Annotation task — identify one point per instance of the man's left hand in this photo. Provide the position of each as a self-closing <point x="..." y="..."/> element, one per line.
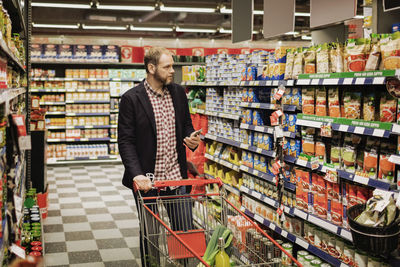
<point x="193" y="141"/>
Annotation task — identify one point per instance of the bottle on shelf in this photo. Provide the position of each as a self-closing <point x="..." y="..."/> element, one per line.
<point x="222" y="259"/>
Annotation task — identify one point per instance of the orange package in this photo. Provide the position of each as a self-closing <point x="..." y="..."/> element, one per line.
<point x="388" y="107"/>
<point x="333" y="102"/>
<point x="320" y="151"/>
<point x="308" y="146"/>
<point x="371" y="157"/>
<point x="308" y="101"/>
<point x="387" y="168"/>
<point x="320" y="109"/>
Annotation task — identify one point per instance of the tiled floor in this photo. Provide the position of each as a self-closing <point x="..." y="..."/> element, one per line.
<point x="92" y="219"/>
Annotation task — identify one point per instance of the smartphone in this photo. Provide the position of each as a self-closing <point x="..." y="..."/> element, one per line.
<point x="197" y="133"/>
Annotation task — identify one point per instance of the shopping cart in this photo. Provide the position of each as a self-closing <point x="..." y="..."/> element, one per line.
<point x="182" y="241"/>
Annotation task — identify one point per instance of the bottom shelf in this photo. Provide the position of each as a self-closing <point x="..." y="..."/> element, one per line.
<point x="99" y="159"/>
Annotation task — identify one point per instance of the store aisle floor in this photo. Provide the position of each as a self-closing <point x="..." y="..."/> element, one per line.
<point x="92" y="218"/>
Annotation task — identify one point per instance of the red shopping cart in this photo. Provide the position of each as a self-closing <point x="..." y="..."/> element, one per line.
<point x="182" y="241"/>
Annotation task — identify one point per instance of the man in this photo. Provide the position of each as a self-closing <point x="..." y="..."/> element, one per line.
<point x="153" y="126"/>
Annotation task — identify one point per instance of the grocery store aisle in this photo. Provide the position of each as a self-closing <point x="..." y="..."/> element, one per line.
<point x="92" y="218"/>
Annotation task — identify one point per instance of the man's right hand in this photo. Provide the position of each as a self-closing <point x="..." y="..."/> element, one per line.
<point x="142" y="183"/>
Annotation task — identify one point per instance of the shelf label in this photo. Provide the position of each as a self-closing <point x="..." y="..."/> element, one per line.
<point x="258" y="218"/>
<point x="256" y="194"/>
<point x="259" y="150"/>
<point x="331" y="81"/>
<point x="394" y="159"/>
<point x="301" y="162"/>
<point x="379" y="80"/>
<point x="259" y="128"/>
<point x="343" y="128"/>
<point x="348" y="81"/>
<point x="244" y="146"/>
<point x="244" y="189"/>
<point x="360" y="81"/>
<point x="275" y="83"/>
<point x="256" y="105"/>
<point x="244" y="126"/>
<point x="302" y="243"/>
<point x="323" y="224"/>
<point x="244" y="168"/>
<point x="268" y="83"/>
<point x="379" y="132"/>
<point x="303" y="82"/>
<point x="346" y="234"/>
<point x="300" y="213"/>
<point x="255" y="172"/>
<point x="359" y="130"/>
<point x="314" y="81"/>
<point x="272" y="226"/>
<point x="284" y="233"/>
<point x="360" y="179"/>
<point x="270" y="201"/>
<point x="290" y="83"/>
<point x="396" y="128"/>
<point x="17" y="250"/>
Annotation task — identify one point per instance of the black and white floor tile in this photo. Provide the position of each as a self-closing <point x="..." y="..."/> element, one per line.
<point x="92" y="218"/>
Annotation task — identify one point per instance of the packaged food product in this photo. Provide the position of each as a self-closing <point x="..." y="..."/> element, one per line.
<point x="374" y="55"/>
<point x="320" y="108"/>
<point x="292" y="118"/>
<point x="352" y="104"/>
<point x="369" y="106"/>
<point x="333" y="102"/>
<point x="287" y="96"/>
<point x="337" y="212"/>
<point x="336" y="151"/>
<point x="323" y="58"/>
<point x="390" y="49"/>
<point x="320" y="151"/>
<point x="308" y="100"/>
<point x="296" y="97"/>
<point x="371" y="157"/>
<point x="387" y="168"/>
<point x="357" y="51"/>
<point x="298" y="63"/>
<point x="308" y="146"/>
<point x="289" y="64"/>
<point x="349" y="154"/>
<point x="309" y="60"/>
<point x="388" y="107"/>
<point x="336" y="57"/>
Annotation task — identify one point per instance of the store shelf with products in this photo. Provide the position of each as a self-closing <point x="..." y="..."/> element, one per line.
<point x="226" y="186"/>
<point x="87" y="102"/>
<point x="268" y="83"/>
<point x="55" y="90"/>
<point x="68" y="140"/>
<point x="72" y="114"/>
<point x="78" y="160"/>
<point x="55" y="79"/>
<point x="261" y="129"/>
<point x="8" y="94"/>
<point x="263" y="175"/>
<point x="222" y="115"/>
<point x="222" y="162"/>
<point x="267" y="106"/>
<point x="52" y="103"/>
<point x="12" y="59"/>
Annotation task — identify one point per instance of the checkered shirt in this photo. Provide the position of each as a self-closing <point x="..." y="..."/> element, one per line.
<point x="167" y="165"/>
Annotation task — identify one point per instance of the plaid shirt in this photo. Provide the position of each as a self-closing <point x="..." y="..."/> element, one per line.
<point x="167" y="165"/>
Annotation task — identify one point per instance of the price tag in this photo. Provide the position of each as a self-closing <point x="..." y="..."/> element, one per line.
<point x="17" y="250"/>
<point x="314" y="163"/>
<point x="259" y="128"/>
<point x="379" y="80"/>
<point x="359" y="130"/>
<point x="348" y="81"/>
<point x="256" y="194"/>
<point x="268" y="83"/>
<point x="360" y="81"/>
<point x="256" y="105"/>
<point x="275" y="83"/>
<point x="272" y="226"/>
<point x="284" y="233"/>
<point x="301" y="162"/>
<point x="259" y="150"/>
<point x="278" y="132"/>
<point x="314" y="81"/>
<point x="255" y="172"/>
<point x="302" y="243"/>
<point x="244" y="168"/>
<point x="360" y="179"/>
<point x="379" y="132"/>
<point x="290" y="83"/>
<point x="244" y="126"/>
<point x="394" y="159"/>
<point x="251" y="82"/>
<point x="343" y="128"/>
<point x="258" y="218"/>
<point x="346" y="234"/>
<point x="396" y="128"/>
<point x="331" y="81"/>
<point x="300" y="213"/>
<point x="303" y="82"/>
<point x="244" y="146"/>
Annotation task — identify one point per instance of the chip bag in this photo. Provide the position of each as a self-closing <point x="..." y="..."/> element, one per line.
<point x="323" y="58"/>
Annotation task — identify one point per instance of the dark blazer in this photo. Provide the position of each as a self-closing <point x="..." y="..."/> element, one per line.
<point x="137" y="140"/>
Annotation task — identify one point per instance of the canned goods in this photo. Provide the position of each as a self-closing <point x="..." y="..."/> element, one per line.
<point x="316" y="263"/>
<point x="286" y="260"/>
<point x="308" y="259"/>
<point x="277" y="251"/>
<point x="37" y="248"/>
<point x="269" y="249"/>
<point x="301" y="256"/>
<point x="36" y="243"/>
<point x="35" y="254"/>
<point x="257" y="246"/>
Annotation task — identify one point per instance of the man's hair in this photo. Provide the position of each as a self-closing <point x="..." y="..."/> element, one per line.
<point x="153" y="55"/>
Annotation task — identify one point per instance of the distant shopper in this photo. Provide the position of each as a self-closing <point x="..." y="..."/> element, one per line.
<point x="153" y="126"/>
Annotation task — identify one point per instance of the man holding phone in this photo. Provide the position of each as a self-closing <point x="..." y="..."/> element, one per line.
<point x="153" y="126"/>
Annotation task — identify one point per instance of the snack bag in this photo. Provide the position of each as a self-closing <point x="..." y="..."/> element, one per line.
<point x="371" y="157"/>
<point x="298" y="63"/>
<point x="320" y="151"/>
<point x="289" y="64"/>
<point x="388" y="106"/>
<point x="308" y="146"/>
<point x="291" y="121"/>
<point x="308" y="98"/>
<point x="390" y="49"/>
<point x="356" y="54"/>
<point x="387" y="168"/>
<point x="336" y="57"/>
<point x="320" y="109"/>
<point x="323" y="58"/>
<point x="309" y="60"/>
<point x="352" y="104"/>
<point x="286" y="100"/>
<point x="349" y="154"/>
<point x="333" y="102"/>
<point x="369" y="106"/>
<point x="336" y="151"/>
<point x="374" y="55"/>
<point x="296" y="97"/>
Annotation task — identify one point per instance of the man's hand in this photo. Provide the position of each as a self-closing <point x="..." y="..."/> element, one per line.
<point x="193" y="141"/>
<point x="142" y="183"/>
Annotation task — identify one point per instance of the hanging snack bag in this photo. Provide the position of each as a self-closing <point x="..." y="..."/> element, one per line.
<point x="388" y="106"/>
<point x="371" y="157"/>
<point x="308" y="97"/>
<point x="356" y="54"/>
<point x="323" y="58"/>
<point x="336" y="57"/>
<point x="387" y="168"/>
<point x="369" y="106"/>
<point x="352" y="104"/>
<point x="390" y="49"/>
<point x="374" y="55"/>
<point x="309" y="60"/>
<point x="289" y="64"/>
<point x="320" y="109"/>
<point x="292" y="118"/>
<point x="320" y="151"/>
<point x="333" y="102"/>
<point x="298" y="63"/>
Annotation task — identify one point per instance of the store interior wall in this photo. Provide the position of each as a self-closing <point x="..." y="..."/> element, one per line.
<point x="382" y="21"/>
<point x="336" y="33"/>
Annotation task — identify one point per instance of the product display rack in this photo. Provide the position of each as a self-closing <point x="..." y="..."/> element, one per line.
<point x="377" y="129"/>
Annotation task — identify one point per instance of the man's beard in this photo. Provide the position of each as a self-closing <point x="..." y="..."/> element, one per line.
<point x="164" y="81"/>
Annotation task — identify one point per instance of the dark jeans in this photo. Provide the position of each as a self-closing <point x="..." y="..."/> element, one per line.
<point x="180" y="218"/>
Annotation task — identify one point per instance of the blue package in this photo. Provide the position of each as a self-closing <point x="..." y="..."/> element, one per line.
<point x="292" y="127"/>
<point x="258" y="118"/>
<point x="66" y="52"/>
<point x="395" y="27"/>
<point x="264" y="95"/>
<point x="110" y="53"/>
<point x="81" y="53"/>
<point x="285" y="122"/>
<point x="50" y="52"/>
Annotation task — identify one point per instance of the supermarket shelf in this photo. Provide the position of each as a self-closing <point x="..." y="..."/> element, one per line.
<point x="262" y="129"/>
<point x="89" y="127"/>
<point x="12" y="58"/>
<point x="268" y="83"/>
<point x="342" y="81"/>
<point x="87" y="114"/>
<point x="263" y="175"/>
<point x="87" y="90"/>
<point x="114" y="111"/>
<point x="222" y="83"/>
<point x="17" y="17"/>
<point x="303" y="163"/>
<point x="48" y="90"/>
<point x="222" y="140"/>
<point x="295" y="239"/>
<point x="52" y="103"/>
<point x="258" y="105"/>
<point x="11" y="93"/>
<point x="379" y="129"/>
<point x="114" y="140"/>
<point x="115" y="95"/>
<point x="289" y="134"/>
<point x="227" y="187"/>
<point x="67" y="140"/>
<point x="55" y="127"/>
<point x="54" y="79"/>
<point x="222" y="162"/>
<point x="269" y="153"/>
<point x="395" y="159"/>
<point x="290" y="186"/>
<point x="71" y="63"/>
<point x="259" y="196"/>
<point x="55" y="113"/>
<point x="87" y="102"/>
<point x="113" y="126"/>
<point x="222" y="115"/>
<point x="81" y="160"/>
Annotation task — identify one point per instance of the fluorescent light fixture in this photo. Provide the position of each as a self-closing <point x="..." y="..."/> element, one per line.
<point x="222" y="30"/>
<point x="61" y="5"/>
<point x="359" y="17"/>
<point x="258" y="12"/>
<point x="98" y="27"/>
<point x="302" y="14"/>
<point x="178" y="29"/>
<point x="59" y="26"/>
<point x="151" y="29"/>
<point x="131" y="8"/>
<point x="225" y="10"/>
<point x="256" y="32"/>
<point x="305" y="37"/>
<point x="291" y="33"/>
<point x="187" y="9"/>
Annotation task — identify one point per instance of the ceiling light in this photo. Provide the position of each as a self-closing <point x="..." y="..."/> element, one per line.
<point x="60" y="26"/>
<point x="131" y="8"/>
<point x="302" y="14"/>
<point x="291" y="33"/>
<point x="61" y="5"/>
<point x="103" y="27"/>
<point x="178" y="29"/>
<point x="225" y="10"/>
<point x="256" y="32"/>
<point x="151" y="29"/>
<point x="258" y="12"/>
<point x="305" y="37"/>
<point x="222" y="30"/>
<point x="187" y="9"/>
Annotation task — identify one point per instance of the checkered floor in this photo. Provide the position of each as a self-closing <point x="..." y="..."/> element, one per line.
<point x="92" y="219"/>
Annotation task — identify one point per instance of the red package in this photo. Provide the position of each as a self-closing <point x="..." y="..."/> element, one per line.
<point x="352" y="195"/>
<point x="321" y="205"/>
<point x="337" y="212"/>
<point x="362" y="195"/>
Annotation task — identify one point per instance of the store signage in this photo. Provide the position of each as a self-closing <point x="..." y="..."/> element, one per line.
<point x="360" y="74"/>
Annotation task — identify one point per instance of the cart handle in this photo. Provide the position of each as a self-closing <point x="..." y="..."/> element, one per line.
<point x="192" y="182"/>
